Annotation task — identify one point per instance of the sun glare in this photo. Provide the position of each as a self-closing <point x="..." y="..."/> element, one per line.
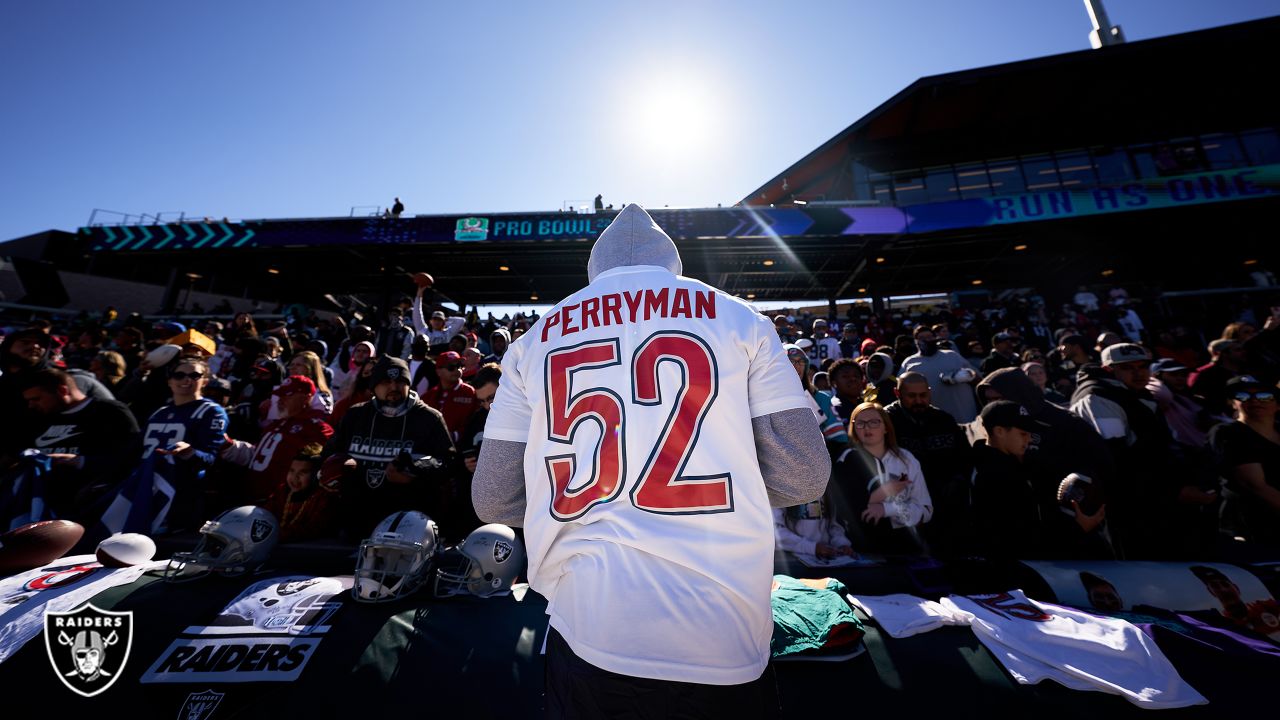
<point x="672" y="118"/>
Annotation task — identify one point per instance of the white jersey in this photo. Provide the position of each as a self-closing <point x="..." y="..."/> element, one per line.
<point x="1038" y="641"/>
<point x="902" y="615"/>
<point x="823" y="349"/>
<point x="647" y="522"/>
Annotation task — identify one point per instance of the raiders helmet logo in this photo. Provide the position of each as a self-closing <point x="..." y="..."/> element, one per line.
<point x="501" y="551"/>
<point x="260" y="530"/>
<point x="200" y="705"/>
<point x="88" y="648"/>
<point x="374" y="478"/>
<point x="393" y="373"/>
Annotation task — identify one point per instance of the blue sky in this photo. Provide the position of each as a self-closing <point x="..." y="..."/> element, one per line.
<point x="293" y="109"/>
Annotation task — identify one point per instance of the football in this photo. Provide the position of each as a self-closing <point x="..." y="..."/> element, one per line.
<point x="423" y="280"/>
<point x="36" y="544"/>
<point x="125" y="549"/>
<point x="1079" y="488"/>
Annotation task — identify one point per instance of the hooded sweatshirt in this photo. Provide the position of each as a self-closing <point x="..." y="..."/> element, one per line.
<point x="496" y="356"/>
<point x="374" y="435"/>
<point x="1149" y="478"/>
<point x="704" y="429"/>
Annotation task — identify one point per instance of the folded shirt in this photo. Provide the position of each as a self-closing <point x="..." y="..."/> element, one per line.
<point x="901" y="615"/>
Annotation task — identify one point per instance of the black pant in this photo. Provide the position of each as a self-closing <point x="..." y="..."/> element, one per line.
<point x="578" y="690"/>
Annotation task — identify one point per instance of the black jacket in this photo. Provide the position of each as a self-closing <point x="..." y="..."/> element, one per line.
<point x="374" y="439"/>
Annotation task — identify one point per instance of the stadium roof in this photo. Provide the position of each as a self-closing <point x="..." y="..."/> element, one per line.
<point x="1179" y="85"/>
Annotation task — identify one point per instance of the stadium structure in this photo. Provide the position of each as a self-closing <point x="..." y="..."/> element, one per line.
<point x="1155" y="164"/>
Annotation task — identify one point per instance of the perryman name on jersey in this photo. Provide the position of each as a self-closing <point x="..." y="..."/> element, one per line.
<point x="610" y="309"/>
<point x="380" y="450"/>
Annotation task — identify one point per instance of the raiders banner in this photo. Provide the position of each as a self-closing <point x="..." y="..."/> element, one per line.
<point x="268" y="633"/>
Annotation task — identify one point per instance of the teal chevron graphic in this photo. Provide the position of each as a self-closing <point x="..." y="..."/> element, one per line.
<point x="208" y="235"/>
<point x="178" y="236"/>
<point x="128" y="237"/>
<point x="146" y="237"/>
<point x="168" y="235"/>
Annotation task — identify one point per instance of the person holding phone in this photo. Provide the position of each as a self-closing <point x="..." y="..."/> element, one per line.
<point x="883" y="485"/>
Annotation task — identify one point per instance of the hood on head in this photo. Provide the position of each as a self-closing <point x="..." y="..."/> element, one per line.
<point x="887" y="372"/>
<point x="633" y="238"/>
<point x="503" y="332"/>
<point x="1013" y="384"/>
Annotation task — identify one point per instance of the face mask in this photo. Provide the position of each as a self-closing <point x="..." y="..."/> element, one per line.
<point x="927" y="347"/>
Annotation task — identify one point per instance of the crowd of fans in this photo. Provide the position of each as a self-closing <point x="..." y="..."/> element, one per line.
<point x="1018" y="432"/>
<point x="951" y="431"/>
<point x="330" y="423"/>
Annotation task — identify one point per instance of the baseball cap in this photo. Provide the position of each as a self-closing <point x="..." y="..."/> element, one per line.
<point x="1167" y="365"/>
<point x="1245" y="383"/>
<point x="295" y="385"/>
<point x="804" y="344"/>
<point x="1001" y="337"/>
<point x="390" y="368"/>
<point x="794" y="348"/>
<point x="1123" y="353"/>
<point x="446" y="358"/>
<point x="819" y="321"/>
<point x="38" y="334"/>
<point x="438" y="314"/>
<point x="1007" y="413"/>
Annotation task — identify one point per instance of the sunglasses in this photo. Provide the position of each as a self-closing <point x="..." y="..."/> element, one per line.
<point x="484" y="400"/>
<point x="797" y="356"/>
<point x="1260" y="396"/>
<point x="179" y="375"/>
<point x="453" y="366"/>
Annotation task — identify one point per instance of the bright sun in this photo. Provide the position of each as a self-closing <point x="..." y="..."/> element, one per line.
<point x="671" y="119"/>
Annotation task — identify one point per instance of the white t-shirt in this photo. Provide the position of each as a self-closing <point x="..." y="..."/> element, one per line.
<point x="901" y="615"/>
<point x="644" y="578"/>
<point x="1038" y="641"/>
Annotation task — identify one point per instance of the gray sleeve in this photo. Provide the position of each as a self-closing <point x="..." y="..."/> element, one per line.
<point x="793" y="456"/>
<point x="497" y="490"/>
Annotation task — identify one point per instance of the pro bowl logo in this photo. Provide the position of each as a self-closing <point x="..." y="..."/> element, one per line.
<point x="88" y="647"/>
<point x="471" y="228"/>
